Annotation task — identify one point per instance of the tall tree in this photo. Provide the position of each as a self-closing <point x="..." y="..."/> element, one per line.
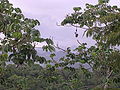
<point x="19" y="36"/>
<point x="102" y="23"/>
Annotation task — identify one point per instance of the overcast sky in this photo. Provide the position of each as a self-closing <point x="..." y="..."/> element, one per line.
<point x="50" y="12"/>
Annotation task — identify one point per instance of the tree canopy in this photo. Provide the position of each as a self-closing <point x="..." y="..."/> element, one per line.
<point x="20" y="36"/>
<point x="100" y="21"/>
<point x="17" y="46"/>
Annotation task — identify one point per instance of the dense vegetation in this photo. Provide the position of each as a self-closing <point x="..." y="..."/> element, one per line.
<point x="17" y="46"/>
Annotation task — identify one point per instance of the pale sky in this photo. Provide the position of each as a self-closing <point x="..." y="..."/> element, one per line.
<point x="50" y="12"/>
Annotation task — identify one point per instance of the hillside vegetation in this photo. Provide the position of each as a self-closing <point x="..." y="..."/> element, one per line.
<point x="17" y="45"/>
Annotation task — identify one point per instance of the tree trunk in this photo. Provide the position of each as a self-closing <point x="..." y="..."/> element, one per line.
<point x="109" y="73"/>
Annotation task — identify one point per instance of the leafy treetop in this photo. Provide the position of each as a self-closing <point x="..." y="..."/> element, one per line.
<point x="100" y="21"/>
<point x="19" y="36"/>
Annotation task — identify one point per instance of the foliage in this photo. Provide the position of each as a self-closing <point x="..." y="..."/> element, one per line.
<point x="20" y="36"/>
<point x="101" y="20"/>
<point x="38" y="78"/>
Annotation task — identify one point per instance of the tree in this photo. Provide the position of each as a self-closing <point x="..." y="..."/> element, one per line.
<point x="101" y="22"/>
<point x="20" y="36"/>
<point x="17" y="45"/>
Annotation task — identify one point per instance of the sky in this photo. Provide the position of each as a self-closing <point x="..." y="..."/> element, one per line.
<point x="52" y="12"/>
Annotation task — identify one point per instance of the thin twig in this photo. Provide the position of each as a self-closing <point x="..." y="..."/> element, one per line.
<point x="78" y="26"/>
<point x="59" y="48"/>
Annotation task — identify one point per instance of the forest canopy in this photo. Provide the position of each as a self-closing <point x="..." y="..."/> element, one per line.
<point x="25" y="72"/>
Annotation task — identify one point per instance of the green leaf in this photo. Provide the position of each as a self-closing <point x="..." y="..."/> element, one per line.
<point x="82" y="61"/>
<point x="41" y="60"/>
<point x="49" y="41"/>
<point x="52" y="55"/>
<point x="18" y="10"/>
<point x="103" y="1"/>
<point x="77" y="9"/>
<point x="17" y="35"/>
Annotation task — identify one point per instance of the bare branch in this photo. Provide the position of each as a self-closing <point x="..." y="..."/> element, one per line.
<point x="78" y="26"/>
<point x="56" y="46"/>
